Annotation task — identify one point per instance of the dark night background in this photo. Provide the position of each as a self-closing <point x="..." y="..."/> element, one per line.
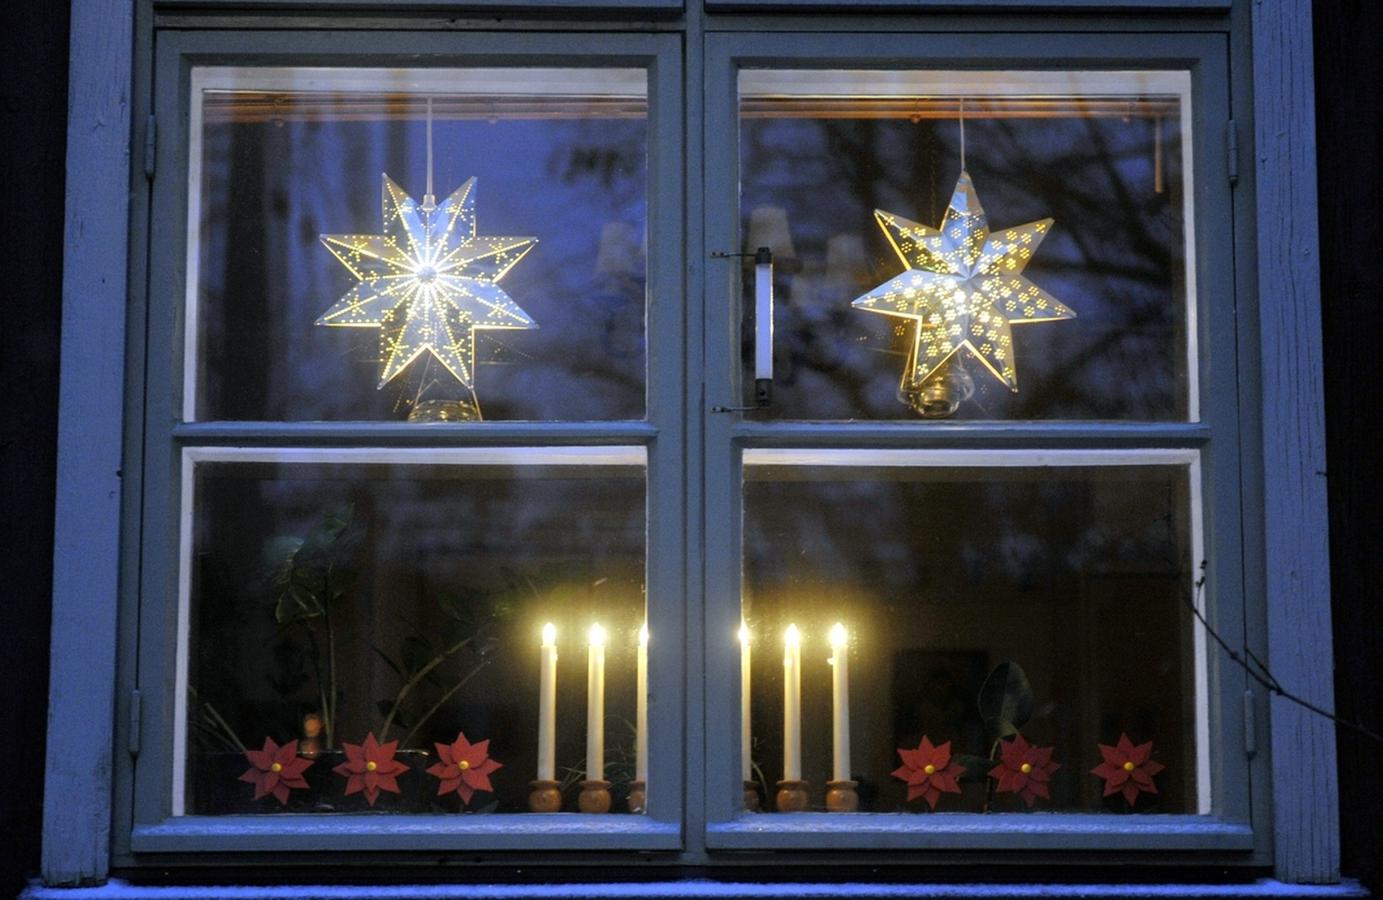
<point x="1349" y="90"/>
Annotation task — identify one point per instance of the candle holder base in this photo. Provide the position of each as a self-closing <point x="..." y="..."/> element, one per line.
<point x="638" y="796"/>
<point x="792" y="796"/>
<point x="841" y="796"/>
<point x="751" y="796"/>
<point x="544" y="796"/>
<point x="595" y="797"/>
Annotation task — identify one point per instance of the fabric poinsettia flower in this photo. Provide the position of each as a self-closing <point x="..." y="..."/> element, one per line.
<point x="464" y="767"/>
<point x="276" y="770"/>
<point x="371" y="767"/>
<point x="929" y="771"/>
<point x="1128" y="769"/>
<point x="1024" y="769"/>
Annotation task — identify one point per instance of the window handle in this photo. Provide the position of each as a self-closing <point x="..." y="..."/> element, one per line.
<point x="763" y="327"/>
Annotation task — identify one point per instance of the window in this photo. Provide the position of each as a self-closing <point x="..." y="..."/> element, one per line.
<point x="453" y="336"/>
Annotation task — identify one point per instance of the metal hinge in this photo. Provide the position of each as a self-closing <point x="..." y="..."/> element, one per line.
<point x="136" y="721"/>
<point x="150" y="147"/>
<point x="1250" y="726"/>
<point x="1232" y="152"/>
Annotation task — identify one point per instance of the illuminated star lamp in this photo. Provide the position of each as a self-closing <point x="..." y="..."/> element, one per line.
<point x="964" y="288"/>
<point x="428" y="283"/>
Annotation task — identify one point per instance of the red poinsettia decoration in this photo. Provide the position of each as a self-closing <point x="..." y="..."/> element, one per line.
<point x="276" y="770"/>
<point x="371" y="767"/>
<point x="1128" y="769"/>
<point x="1024" y="769"/>
<point x="929" y="771"/>
<point x="464" y="767"/>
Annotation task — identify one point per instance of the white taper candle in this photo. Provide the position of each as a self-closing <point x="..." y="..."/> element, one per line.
<point x="746" y="761"/>
<point x="792" y="705"/>
<point x="595" y="705"/>
<point x="641" y="710"/>
<point x="840" y="703"/>
<point x="547" y="706"/>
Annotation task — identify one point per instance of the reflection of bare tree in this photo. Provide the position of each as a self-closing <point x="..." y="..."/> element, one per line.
<point x="1114" y="256"/>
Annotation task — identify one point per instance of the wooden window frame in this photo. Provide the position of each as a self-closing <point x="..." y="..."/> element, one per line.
<point x="113" y="155"/>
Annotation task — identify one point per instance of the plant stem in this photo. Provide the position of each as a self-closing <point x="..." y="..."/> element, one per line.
<point x="989" y="782"/>
<point x="438" y="705"/>
<point x="329" y="716"/>
<point x="413" y="682"/>
<point x="321" y="685"/>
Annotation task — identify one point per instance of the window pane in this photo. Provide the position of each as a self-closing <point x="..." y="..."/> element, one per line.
<point x="1080" y="183"/>
<point x="1068" y="586"/>
<point x="330" y="601"/>
<point x="322" y="287"/>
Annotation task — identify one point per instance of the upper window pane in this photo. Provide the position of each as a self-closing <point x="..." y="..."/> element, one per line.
<point x="387" y="244"/>
<point x="977" y="245"/>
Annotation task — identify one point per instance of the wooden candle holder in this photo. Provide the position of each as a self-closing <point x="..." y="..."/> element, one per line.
<point x="841" y="796"/>
<point x="595" y="797"/>
<point x="751" y="796"/>
<point x="792" y="796"/>
<point x="544" y="796"/>
<point x="638" y="796"/>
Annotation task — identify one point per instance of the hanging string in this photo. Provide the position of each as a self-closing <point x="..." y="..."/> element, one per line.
<point x="962" y="134"/>
<point x="429" y="147"/>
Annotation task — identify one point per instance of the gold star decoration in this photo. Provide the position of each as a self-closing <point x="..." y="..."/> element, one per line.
<point x="428" y="283"/>
<point x="964" y="286"/>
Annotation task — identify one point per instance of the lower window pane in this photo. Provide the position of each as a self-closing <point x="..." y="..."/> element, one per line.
<point x="1014" y="617"/>
<point x="334" y="606"/>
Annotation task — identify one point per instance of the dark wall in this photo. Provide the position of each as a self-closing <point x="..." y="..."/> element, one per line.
<point x="33" y="123"/>
<point x="33" y="47"/>
<point x="1349" y="116"/>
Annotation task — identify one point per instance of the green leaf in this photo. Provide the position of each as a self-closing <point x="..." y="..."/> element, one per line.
<point x="976" y="767"/>
<point x="454" y="607"/>
<point x="324" y="536"/>
<point x="277" y="557"/>
<point x="388" y="662"/>
<point x="416" y="653"/>
<point x="1006" y="699"/>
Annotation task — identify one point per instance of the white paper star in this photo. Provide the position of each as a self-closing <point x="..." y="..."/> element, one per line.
<point x="964" y="286"/>
<point x="428" y="282"/>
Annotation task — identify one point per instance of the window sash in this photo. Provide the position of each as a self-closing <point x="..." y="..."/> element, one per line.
<point x="1211" y="440"/>
<point x="171" y="447"/>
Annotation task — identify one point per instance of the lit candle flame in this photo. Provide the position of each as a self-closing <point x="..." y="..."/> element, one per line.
<point x="597" y="635"/>
<point x="549" y="635"/>
<point x="643" y="635"/>
<point x="744" y="634"/>
<point x="792" y="637"/>
<point x="839" y="636"/>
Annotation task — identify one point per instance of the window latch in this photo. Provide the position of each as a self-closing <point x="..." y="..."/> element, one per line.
<point x="135" y="721"/>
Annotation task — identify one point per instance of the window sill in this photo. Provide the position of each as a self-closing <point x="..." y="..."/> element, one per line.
<point x="260" y="834"/>
<point x="939" y="831"/>
<point x="712" y="890"/>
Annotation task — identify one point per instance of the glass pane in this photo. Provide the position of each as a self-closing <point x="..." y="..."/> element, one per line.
<point x="324" y="285"/>
<point x="332" y="601"/>
<point x="1006" y="616"/>
<point x="910" y="245"/>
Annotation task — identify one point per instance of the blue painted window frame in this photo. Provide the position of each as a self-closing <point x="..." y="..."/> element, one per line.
<point x="94" y="722"/>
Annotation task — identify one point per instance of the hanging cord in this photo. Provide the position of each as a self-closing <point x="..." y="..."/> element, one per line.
<point x="429" y="199"/>
<point x="962" y="134"/>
